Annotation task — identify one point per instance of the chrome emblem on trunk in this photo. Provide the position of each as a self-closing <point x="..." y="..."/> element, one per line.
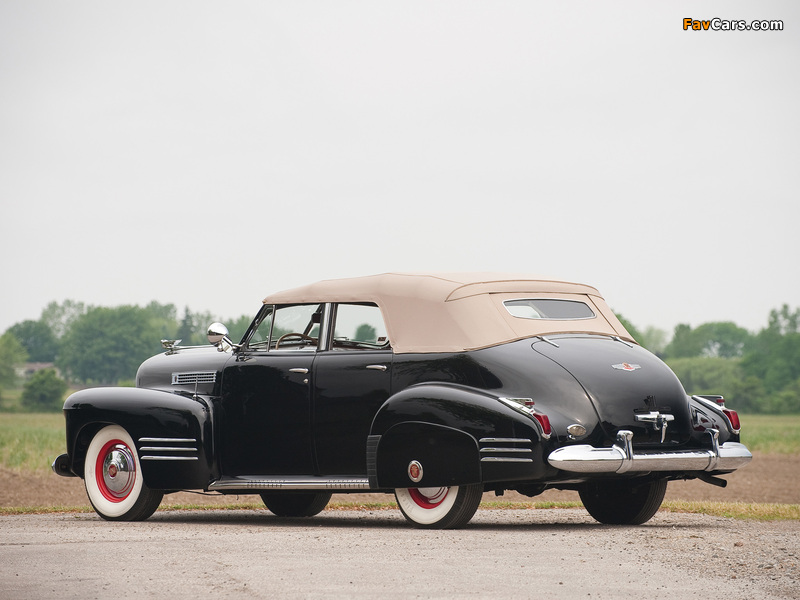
<point x="626" y="367"/>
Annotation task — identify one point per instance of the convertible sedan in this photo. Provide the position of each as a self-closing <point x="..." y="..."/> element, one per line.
<point x="433" y="387"/>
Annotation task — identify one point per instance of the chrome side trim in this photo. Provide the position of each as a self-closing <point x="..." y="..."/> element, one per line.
<point x="621" y="458"/>
<point x="499" y="449"/>
<point x="290" y="483"/>
<point x="154" y="448"/>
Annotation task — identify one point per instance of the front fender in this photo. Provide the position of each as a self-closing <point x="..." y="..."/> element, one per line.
<point x="465" y="436"/>
<point x="172" y="433"/>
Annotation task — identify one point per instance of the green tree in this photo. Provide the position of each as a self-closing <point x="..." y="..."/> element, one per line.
<point x="12" y="355"/>
<point x="44" y="391"/>
<point x="238" y="327"/>
<point x="105" y="345"/>
<point x="60" y="317"/>
<point x="629" y="326"/>
<point x="775" y="352"/>
<point x="366" y="333"/>
<point x="718" y="339"/>
<point x="187" y="328"/>
<point x="708" y="375"/>
<point x="38" y="340"/>
<point x="654" y="339"/>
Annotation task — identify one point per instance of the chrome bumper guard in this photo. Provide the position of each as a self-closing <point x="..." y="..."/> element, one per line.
<point x="620" y="458"/>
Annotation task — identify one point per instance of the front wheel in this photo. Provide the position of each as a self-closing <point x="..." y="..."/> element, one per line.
<point x="113" y="478"/>
<point x="296" y="504"/>
<point x="623" y="502"/>
<point x="439" y="507"/>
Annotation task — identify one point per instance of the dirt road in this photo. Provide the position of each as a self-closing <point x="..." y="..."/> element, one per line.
<point x="558" y="554"/>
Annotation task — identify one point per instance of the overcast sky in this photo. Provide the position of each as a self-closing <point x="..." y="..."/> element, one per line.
<point x="207" y="154"/>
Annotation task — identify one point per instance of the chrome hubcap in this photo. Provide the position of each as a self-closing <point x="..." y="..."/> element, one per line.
<point x="119" y="471"/>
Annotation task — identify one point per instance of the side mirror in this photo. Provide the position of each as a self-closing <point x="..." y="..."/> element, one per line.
<point x="217" y="332"/>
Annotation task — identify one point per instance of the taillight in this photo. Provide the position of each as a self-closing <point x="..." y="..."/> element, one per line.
<point x="545" y="423"/>
<point x="733" y="417"/>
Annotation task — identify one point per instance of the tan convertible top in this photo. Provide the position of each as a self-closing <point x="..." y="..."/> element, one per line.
<point x="454" y="312"/>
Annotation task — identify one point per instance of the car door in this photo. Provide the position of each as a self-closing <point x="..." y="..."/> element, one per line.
<point x="351" y="379"/>
<point x="266" y="396"/>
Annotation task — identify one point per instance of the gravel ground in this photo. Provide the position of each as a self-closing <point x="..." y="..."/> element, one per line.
<point x="557" y="554"/>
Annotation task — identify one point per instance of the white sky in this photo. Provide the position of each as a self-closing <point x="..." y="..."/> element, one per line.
<point x="206" y="154"/>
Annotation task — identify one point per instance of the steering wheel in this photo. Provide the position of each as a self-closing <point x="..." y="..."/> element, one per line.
<point x="301" y="336"/>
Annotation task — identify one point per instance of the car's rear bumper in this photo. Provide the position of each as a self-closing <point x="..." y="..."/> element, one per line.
<point x="621" y="458"/>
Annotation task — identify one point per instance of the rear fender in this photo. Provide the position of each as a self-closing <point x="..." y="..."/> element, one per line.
<point x="459" y="435"/>
<point x="172" y="433"/>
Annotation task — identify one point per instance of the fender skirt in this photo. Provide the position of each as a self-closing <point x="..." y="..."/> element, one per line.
<point x="447" y="456"/>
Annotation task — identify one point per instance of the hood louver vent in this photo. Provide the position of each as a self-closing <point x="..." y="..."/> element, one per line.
<point x="194" y="378"/>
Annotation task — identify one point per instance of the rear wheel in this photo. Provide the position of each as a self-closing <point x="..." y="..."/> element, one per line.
<point x="624" y="502"/>
<point x="296" y="504"/>
<point x="439" y="507"/>
<point x="113" y="478"/>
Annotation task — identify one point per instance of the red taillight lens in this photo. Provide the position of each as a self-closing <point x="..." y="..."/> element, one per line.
<point x="544" y="422"/>
<point x="733" y="417"/>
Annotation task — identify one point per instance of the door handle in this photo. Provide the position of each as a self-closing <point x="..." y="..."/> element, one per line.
<point x="377" y="367"/>
<point x="298" y="370"/>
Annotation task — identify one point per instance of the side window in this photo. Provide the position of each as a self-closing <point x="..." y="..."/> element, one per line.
<point x="359" y="327"/>
<point x="292" y="327"/>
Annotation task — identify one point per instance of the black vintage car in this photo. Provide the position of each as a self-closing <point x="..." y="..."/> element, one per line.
<point x="436" y="388"/>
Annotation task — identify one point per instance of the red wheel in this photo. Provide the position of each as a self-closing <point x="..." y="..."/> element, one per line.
<point x="113" y="478"/>
<point x="439" y="507"/>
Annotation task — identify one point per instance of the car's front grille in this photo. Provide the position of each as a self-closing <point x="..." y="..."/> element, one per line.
<point x="511" y="450"/>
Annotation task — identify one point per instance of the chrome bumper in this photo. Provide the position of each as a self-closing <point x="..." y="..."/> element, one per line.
<point x="620" y="458"/>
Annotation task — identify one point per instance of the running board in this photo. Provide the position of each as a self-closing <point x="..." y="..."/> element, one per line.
<point x="288" y="482"/>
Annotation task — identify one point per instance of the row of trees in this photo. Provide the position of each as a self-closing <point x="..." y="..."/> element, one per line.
<point x="759" y="372"/>
<point x="95" y="345"/>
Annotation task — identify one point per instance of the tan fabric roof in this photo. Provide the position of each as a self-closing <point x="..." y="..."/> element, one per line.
<point x="454" y="312"/>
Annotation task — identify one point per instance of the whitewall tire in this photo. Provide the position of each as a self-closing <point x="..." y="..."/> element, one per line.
<point x="113" y="478"/>
<point x="439" y="507"/>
